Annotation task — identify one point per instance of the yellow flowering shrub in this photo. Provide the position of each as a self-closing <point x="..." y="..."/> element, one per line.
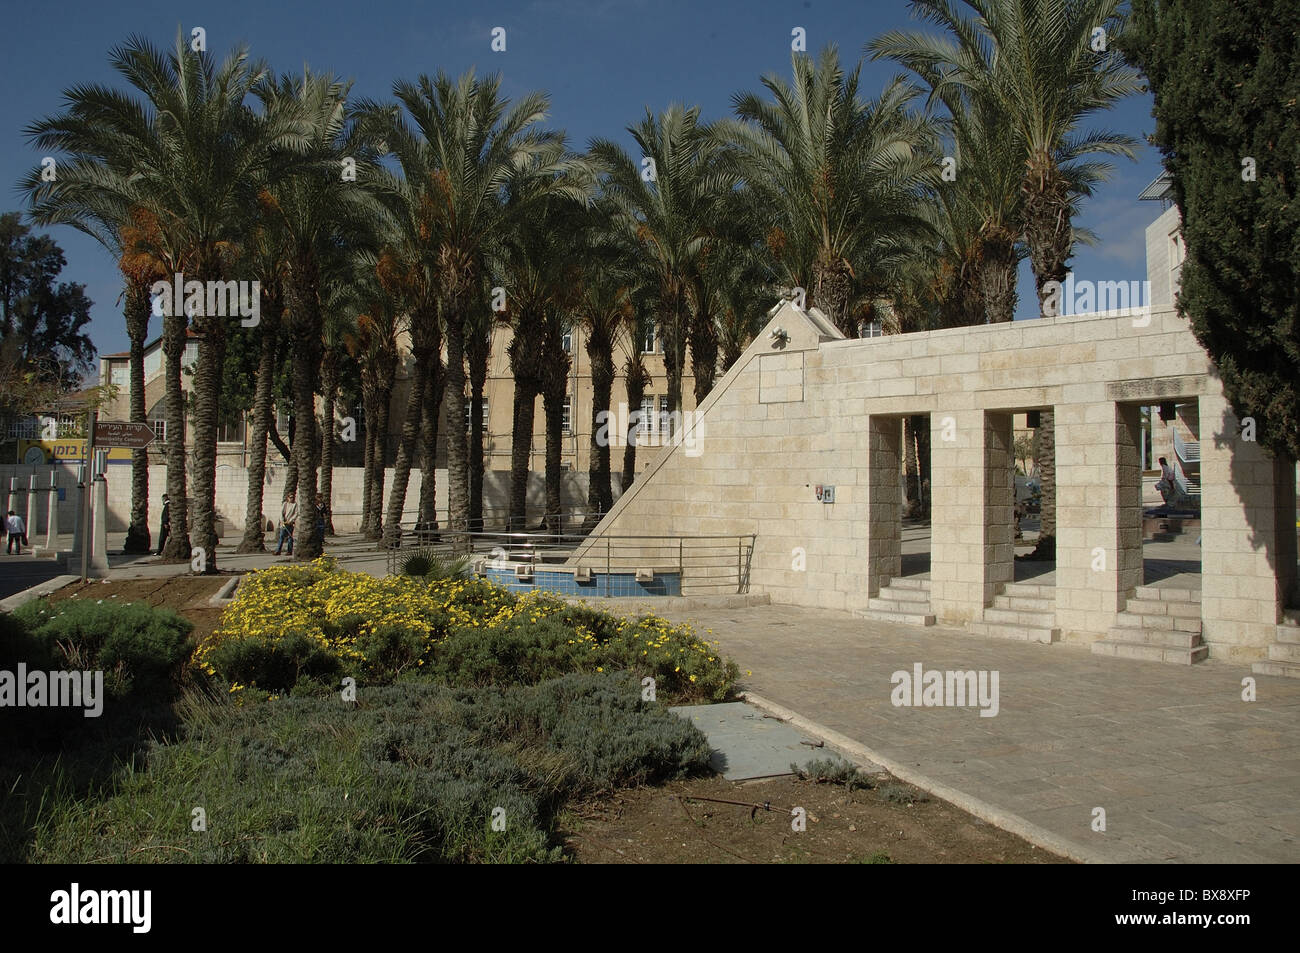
<point x="318" y="620"/>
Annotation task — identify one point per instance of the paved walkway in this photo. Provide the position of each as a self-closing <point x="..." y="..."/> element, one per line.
<point x="1185" y="770"/>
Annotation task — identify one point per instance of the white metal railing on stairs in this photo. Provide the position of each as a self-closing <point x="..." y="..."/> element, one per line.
<point x="1189" y="451"/>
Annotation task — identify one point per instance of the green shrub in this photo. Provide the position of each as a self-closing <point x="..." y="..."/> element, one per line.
<point x="275" y="666"/>
<point x="832" y="771"/>
<point x="516" y="653"/>
<point x="141" y="650"/>
<point x="415" y="773"/>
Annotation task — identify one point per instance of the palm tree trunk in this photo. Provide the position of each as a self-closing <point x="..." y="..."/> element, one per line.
<point x="704" y="354"/>
<point x="379" y="462"/>
<point x="178" y="540"/>
<point x="431" y="417"/>
<point x="457" y="446"/>
<point x="478" y="370"/>
<point x="207" y="400"/>
<point x="832" y="288"/>
<point x="406" y="448"/>
<point x="521" y="449"/>
<point x="138" y="307"/>
<point x="998" y="279"/>
<point x="637" y="379"/>
<point x="911" y="467"/>
<point x="553" y="409"/>
<point x="1046" y="460"/>
<point x="254" y="540"/>
<point x="304" y="310"/>
<point x="330" y="388"/>
<point x="367" y="462"/>
<point x="600" y="496"/>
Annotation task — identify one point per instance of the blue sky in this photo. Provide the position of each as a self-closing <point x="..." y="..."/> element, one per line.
<point x="603" y="62"/>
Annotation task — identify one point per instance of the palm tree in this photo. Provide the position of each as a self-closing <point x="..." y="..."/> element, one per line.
<point x="196" y="154"/>
<point x="478" y="352"/>
<point x="636" y="379"/>
<point x="317" y="206"/>
<point x="836" y="181"/>
<point x="669" y="202"/>
<point x="1033" y="60"/>
<point x="374" y="345"/>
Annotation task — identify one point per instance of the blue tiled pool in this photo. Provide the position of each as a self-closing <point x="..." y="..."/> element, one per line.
<point x="601" y="584"/>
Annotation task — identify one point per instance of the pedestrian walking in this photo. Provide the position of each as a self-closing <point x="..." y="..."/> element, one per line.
<point x="288" y="516"/>
<point x="17" y="533"/>
<point x="165" y="524"/>
<point x="322" y="517"/>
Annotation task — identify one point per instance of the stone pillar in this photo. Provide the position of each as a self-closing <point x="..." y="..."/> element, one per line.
<point x="1248" y="533"/>
<point x="78" y="519"/>
<point x="30" y="519"/>
<point x="1098" y="514"/>
<point x="12" y="499"/>
<point x="884" y="503"/>
<point x="957" y="514"/>
<point x="99" y="517"/>
<point x="52" y="516"/>
<point x="999" y="553"/>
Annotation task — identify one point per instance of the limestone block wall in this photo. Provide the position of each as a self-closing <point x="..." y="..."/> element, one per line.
<point x="816" y="411"/>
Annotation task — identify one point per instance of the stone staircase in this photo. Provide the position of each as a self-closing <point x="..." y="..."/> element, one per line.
<point x="905" y="599"/>
<point x="1023" y="611"/>
<point x="1158" y="625"/>
<point x="1284" y="654"/>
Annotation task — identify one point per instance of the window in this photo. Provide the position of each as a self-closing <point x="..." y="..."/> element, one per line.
<point x="1177" y="251"/>
<point x="869" y="329"/>
<point x="566" y="416"/>
<point x="160" y="430"/>
<point x="664" y="426"/>
<point x="231" y="430"/>
<point x="650" y="343"/>
<point x="566" y="342"/>
<point x="468" y="404"/>
<point x="646" y="422"/>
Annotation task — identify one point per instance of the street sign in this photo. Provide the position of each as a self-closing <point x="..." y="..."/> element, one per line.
<point x="122" y="433"/>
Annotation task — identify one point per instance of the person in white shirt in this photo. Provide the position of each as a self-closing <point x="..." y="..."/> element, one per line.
<point x="17" y="533"/>
<point x="1167" y="485"/>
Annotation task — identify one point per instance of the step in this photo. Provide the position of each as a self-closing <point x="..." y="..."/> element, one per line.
<point x="1284" y="652"/>
<point x="1149" y="652"/>
<point x="1019" y="617"/>
<point x="908" y="618"/>
<point x="1029" y="590"/>
<point x="1021" y="633"/>
<point x="1024" y="604"/>
<point x="1159" y="607"/>
<point x="1288" y="634"/>
<point x="1166" y="637"/>
<point x="1162" y="623"/>
<point x="1167" y="594"/>
<point x="1285" y="669"/>
<point x="1290" y="617"/>
<point x="909" y="582"/>
<point x="907" y="607"/>
<point x="904" y="595"/>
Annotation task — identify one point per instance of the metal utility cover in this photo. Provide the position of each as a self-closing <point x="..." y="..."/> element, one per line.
<point x="747" y="745"/>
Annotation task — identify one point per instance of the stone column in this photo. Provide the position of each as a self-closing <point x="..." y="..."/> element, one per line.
<point x="99" y="517"/>
<point x="1098" y="513"/>
<point x="957" y="514"/>
<point x="884" y="504"/>
<point x="52" y="516"/>
<point x="1248" y="542"/>
<point x="999" y="553"/>
<point x="30" y="519"/>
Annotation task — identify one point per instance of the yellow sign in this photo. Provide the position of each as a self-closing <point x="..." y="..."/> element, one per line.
<point x="65" y="451"/>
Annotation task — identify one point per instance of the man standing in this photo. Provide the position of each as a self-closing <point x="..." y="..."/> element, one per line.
<point x="288" y="516"/>
<point x="1167" y="484"/>
<point x="17" y="533"/>
<point x="164" y="530"/>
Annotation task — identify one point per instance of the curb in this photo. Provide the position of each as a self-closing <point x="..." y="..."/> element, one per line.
<point x="860" y="753"/>
<point x="222" y="596"/>
<point x="37" y="591"/>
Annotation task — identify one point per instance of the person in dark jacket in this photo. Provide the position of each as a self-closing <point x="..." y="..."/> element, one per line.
<point x="164" y="530"/>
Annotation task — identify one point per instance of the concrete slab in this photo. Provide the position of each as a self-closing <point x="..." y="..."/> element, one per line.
<point x="749" y="744"/>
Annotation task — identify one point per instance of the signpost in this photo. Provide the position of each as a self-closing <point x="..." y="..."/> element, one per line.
<point x="133" y="435"/>
<point x="122" y="433"/>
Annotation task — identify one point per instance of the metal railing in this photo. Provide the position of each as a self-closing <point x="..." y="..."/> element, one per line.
<point x="703" y="564"/>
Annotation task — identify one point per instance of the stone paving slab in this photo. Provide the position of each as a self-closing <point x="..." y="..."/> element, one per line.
<point x="748" y="744"/>
<point x="1185" y="770"/>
